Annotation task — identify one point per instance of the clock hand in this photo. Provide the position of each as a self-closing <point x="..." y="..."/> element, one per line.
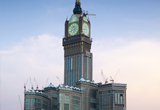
<point x="72" y="29"/>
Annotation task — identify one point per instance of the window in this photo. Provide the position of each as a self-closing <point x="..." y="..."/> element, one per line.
<point x="66" y="96"/>
<point x="77" y="102"/>
<point x="77" y="98"/>
<point x="66" y="107"/>
<point x="75" y="107"/>
<point x="110" y="91"/>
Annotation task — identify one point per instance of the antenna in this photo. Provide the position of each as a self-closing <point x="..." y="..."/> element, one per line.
<point x="112" y="79"/>
<point x="20" y="102"/>
<point x="59" y="80"/>
<point x="46" y="82"/>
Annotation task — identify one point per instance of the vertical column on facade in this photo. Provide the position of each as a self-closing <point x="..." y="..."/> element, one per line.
<point x="82" y="63"/>
<point x="78" y="67"/>
<point x="65" y="70"/>
<point x="75" y="73"/>
<point x="69" y="76"/>
<point x="71" y="71"/>
<point x="87" y="69"/>
<point x="91" y="65"/>
<point x="125" y="104"/>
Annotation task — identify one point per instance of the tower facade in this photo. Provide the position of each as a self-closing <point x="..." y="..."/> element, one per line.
<point x="77" y="45"/>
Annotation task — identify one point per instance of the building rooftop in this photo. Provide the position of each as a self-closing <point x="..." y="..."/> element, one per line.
<point x="62" y="87"/>
<point x="36" y="92"/>
<point x="83" y="81"/>
<point x="69" y="88"/>
<point x="50" y="87"/>
<point x="113" y="84"/>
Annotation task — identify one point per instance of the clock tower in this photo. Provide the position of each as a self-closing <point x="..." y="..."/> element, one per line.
<point x="77" y="45"/>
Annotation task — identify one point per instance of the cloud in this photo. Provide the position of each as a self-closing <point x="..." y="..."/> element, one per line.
<point x="36" y="57"/>
<point x="138" y="62"/>
<point x="41" y="57"/>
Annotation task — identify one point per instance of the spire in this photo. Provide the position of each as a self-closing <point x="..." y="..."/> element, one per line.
<point x="77" y="9"/>
<point x="78" y="2"/>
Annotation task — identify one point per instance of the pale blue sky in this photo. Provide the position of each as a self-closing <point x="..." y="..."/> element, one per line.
<point x="131" y="19"/>
<point x="126" y="36"/>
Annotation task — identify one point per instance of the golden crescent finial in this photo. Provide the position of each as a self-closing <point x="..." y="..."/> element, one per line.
<point x="78" y="1"/>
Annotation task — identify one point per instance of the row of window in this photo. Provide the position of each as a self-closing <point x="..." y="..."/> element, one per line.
<point x="73" y="45"/>
<point x="93" y="100"/>
<point x="33" y="99"/>
<point x="87" y="68"/>
<point x="105" y="92"/>
<point x="93" y="93"/>
<point x="77" y="102"/>
<point x="34" y="102"/>
<point x="68" y="96"/>
<point x="67" y="107"/>
<point x="71" y="51"/>
<point x="109" y="99"/>
<point x="111" y="91"/>
<point x="34" y="108"/>
<point x="106" y="108"/>
<point x="106" y="99"/>
<point x="77" y="98"/>
<point x="119" y="99"/>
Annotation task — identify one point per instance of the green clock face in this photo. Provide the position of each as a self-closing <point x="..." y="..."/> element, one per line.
<point x="73" y="29"/>
<point x="85" y="29"/>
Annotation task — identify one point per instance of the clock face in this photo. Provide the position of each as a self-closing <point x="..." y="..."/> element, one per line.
<point x="85" y="29"/>
<point x="73" y="29"/>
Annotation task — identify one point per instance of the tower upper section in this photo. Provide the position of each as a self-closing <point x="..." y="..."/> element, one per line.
<point x="77" y="9"/>
<point x="77" y="31"/>
<point x="78" y="23"/>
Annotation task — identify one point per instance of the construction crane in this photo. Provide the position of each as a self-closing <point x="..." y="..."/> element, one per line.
<point x="112" y="79"/>
<point x="25" y="84"/>
<point x="85" y="14"/>
<point x="104" y="79"/>
<point x="59" y="80"/>
<point x="46" y="82"/>
<point x="31" y="83"/>
<point x="36" y="84"/>
<point x="20" y="102"/>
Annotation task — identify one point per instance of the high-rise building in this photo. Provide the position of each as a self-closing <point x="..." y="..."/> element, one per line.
<point x="79" y="91"/>
<point x="77" y="45"/>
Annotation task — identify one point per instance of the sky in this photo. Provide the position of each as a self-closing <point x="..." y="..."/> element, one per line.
<point x="125" y="36"/>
